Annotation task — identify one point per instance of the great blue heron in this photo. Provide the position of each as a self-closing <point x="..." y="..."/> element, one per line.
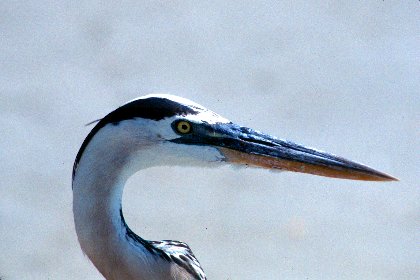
<point x="159" y="130"/>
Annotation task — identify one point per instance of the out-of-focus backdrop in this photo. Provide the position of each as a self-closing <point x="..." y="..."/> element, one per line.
<point x="342" y="76"/>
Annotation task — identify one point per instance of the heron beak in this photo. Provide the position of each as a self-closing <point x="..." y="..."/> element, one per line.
<point x="245" y="146"/>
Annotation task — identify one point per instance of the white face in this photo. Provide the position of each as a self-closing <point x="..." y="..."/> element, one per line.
<point x="147" y="143"/>
<point x="153" y="146"/>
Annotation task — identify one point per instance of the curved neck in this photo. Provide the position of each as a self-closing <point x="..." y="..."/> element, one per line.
<point x="97" y="193"/>
<point x="96" y="207"/>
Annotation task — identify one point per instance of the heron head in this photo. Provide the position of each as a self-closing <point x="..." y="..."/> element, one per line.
<point x="168" y="130"/>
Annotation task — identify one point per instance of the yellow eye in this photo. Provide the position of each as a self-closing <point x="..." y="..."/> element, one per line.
<point x="183" y="127"/>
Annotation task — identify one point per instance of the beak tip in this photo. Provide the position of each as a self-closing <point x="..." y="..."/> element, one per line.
<point x="391" y="179"/>
<point x="383" y="177"/>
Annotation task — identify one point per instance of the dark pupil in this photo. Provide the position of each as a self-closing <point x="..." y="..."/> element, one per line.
<point x="184" y="127"/>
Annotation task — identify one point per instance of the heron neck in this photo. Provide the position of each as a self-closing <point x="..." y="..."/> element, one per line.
<point x="97" y="193"/>
<point x="96" y="203"/>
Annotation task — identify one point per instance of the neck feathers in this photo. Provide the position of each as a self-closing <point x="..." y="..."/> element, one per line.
<point x="98" y="186"/>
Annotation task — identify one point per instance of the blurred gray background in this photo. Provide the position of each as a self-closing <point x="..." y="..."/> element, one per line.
<point x="342" y="76"/>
